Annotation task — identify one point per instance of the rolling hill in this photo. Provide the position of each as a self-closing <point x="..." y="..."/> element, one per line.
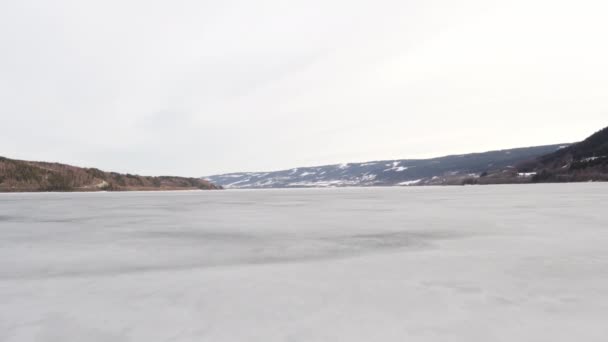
<point x="21" y="176"/>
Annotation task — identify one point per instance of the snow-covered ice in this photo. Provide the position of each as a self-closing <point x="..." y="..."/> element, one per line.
<point x="480" y="263"/>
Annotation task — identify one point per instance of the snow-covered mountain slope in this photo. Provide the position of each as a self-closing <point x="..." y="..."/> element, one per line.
<point x="403" y="172"/>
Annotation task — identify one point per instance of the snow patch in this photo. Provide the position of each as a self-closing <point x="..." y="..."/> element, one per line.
<point x="238" y="182"/>
<point x="369" y="177"/>
<point x="324" y="184"/>
<point x="526" y="174"/>
<point x="410" y="182"/>
<point x="592" y="158"/>
<point x="102" y="184"/>
<point x="396" y="168"/>
<point x="233" y="176"/>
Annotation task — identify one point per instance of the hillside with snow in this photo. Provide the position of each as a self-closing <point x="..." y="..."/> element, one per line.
<point x="454" y="169"/>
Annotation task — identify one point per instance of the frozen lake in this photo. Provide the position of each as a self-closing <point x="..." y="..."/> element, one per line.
<point x="482" y="263"/>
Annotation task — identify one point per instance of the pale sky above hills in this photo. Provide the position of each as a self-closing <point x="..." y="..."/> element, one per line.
<point x="201" y="87"/>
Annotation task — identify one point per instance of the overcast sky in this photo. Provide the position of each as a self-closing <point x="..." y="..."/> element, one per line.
<point x="200" y="87"/>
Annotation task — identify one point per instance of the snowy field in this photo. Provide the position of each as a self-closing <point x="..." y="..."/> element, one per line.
<point x="480" y="263"/>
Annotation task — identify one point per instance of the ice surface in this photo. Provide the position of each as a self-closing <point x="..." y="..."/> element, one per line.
<point x="484" y="263"/>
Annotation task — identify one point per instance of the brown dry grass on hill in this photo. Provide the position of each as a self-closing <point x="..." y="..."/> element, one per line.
<point x="20" y="175"/>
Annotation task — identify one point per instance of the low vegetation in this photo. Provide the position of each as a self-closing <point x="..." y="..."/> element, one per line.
<point x="19" y="175"/>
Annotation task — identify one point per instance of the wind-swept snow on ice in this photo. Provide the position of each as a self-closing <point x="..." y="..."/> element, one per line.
<point x="492" y="263"/>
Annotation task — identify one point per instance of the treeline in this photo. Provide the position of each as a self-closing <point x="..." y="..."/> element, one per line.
<point x="18" y="175"/>
<point x="581" y="162"/>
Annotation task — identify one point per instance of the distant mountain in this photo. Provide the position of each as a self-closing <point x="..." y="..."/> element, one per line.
<point x="20" y="175"/>
<point x="584" y="161"/>
<point x="455" y="169"/>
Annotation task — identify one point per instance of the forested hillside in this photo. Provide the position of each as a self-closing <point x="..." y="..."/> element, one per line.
<point x="20" y="175"/>
<point x="584" y="161"/>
